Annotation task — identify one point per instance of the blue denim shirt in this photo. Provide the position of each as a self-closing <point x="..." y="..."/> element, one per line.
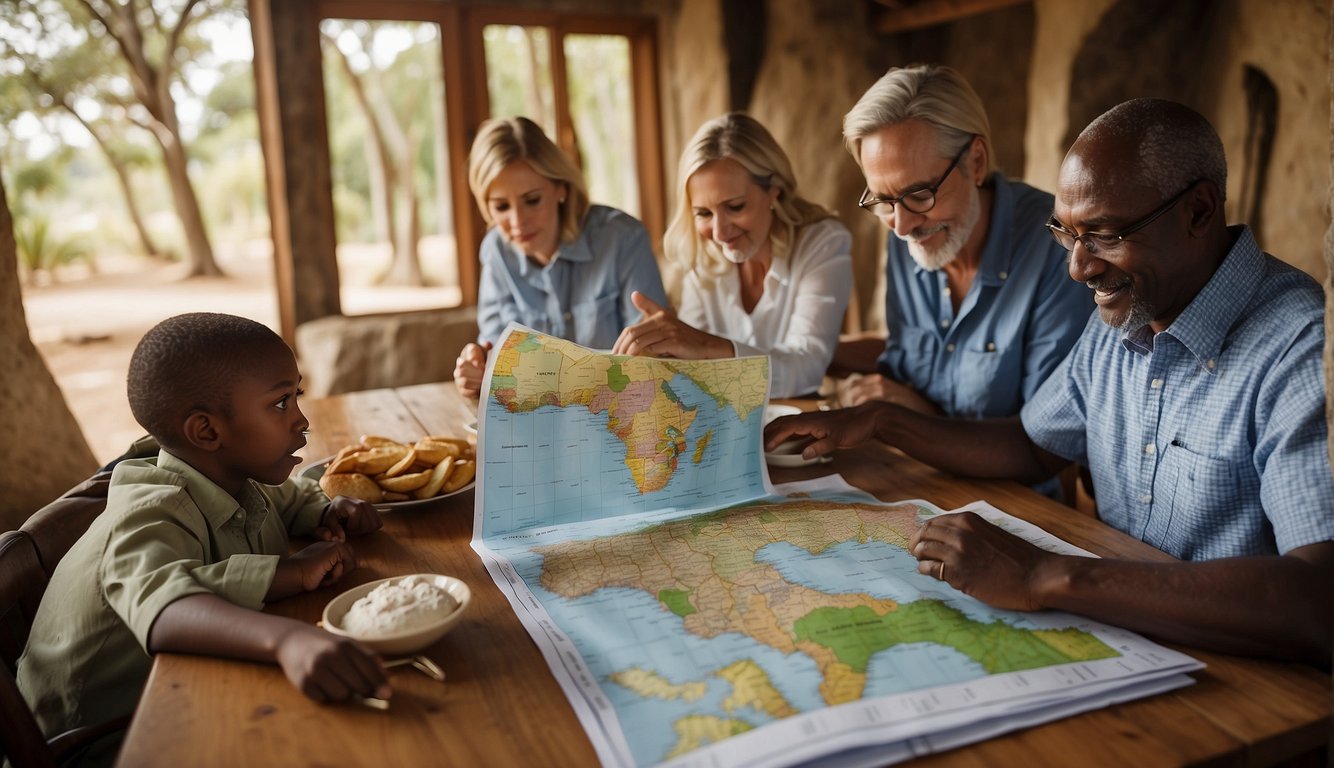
<point x="583" y="295"/>
<point x="1020" y="316"/>
<point x="1208" y="439"/>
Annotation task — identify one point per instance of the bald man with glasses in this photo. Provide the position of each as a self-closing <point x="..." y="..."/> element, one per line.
<point x="978" y="308"/>
<point x="1196" y="397"/>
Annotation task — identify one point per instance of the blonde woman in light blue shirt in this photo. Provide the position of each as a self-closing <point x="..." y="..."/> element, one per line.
<point x="551" y="261"/>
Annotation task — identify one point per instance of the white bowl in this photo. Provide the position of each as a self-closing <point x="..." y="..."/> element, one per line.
<point x="775" y="410"/>
<point x="401" y="643"/>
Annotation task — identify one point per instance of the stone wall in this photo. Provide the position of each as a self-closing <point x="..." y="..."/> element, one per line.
<point x="817" y="60"/>
<point x="1090" y="56"/>
<point x="1044" y="70"/>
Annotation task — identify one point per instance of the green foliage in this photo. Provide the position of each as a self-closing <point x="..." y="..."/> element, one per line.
<point x="40" y="250"/>
<point x="398" y="65"/>
<point x="518" y="74"/>
<point x="61" y="70"/>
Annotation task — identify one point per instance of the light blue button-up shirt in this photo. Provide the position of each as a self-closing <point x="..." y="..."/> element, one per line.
<point x="583" y="295"/>
<point x="1021" y="314"/>
<point x="1208" y="439"/>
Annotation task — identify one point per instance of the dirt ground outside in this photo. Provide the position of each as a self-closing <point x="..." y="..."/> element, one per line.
<point x="86" y="326"/>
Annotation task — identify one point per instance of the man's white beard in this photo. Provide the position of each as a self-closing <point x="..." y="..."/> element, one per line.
<point x="933" y="259"/>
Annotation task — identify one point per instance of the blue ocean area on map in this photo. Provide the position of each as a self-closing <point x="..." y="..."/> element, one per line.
<point x="630" y="632"/>
<point x="874" y="568"/>
<point x="525" y="488"/>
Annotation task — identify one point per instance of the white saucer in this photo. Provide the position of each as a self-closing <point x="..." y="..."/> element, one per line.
<point x="773" y="411"/>
<point x="788" y="454"/>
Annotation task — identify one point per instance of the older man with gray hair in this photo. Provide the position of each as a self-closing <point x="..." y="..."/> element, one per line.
<point x="1197" y="401"/>
<point x="978" y="308"/>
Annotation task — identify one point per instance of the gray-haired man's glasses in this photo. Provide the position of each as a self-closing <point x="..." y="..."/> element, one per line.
<point x="1095" y="242"/>
<point x="920" y="199"/>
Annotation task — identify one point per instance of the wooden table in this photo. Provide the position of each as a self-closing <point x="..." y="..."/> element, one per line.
<point x="502" y="707"/>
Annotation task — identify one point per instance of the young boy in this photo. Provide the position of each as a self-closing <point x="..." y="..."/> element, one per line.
<point x="193" y="542"/>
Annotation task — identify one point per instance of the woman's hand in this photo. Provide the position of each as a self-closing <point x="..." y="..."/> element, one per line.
<point x="470" y="368"/>
<point x="661" y="334"/>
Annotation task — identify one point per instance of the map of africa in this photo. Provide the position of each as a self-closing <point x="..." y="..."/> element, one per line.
<point x="695" y="617"/>
<point x="572" y="434"/>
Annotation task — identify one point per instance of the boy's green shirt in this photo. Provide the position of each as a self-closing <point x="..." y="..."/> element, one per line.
<point x="167" y="532"/>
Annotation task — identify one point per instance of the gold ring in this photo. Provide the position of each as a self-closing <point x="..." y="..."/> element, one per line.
<point x="941" y="575"/>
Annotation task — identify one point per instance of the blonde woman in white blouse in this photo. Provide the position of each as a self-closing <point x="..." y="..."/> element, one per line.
<point x="767" y="272"/>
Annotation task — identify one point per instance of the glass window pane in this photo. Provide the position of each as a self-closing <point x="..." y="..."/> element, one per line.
<point x="518" y="74"/>
<point x="598" y="73"/>
<point x="384" y="93"/>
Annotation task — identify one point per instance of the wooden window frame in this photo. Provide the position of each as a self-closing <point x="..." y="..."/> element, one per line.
<point x="301" y="205"/>
<point x="641" y="33"/>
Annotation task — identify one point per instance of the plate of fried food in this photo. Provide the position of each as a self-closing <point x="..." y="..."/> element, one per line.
<point x="395" y="475"/>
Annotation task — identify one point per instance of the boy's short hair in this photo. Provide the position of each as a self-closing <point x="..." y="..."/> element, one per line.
<point x="190" y="362"/>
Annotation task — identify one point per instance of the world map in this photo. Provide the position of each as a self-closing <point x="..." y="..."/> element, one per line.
<point x="698" y="618"/>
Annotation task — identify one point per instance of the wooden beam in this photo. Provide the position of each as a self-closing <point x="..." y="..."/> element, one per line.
<point x="289" y="91"/>
<point x="903" y="18"/>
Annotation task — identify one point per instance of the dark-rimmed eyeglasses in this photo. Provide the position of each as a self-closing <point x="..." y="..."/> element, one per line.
<point x="1110" y="241"/>
<point x="919" y="199"/>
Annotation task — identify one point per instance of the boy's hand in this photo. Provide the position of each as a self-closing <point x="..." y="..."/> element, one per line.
<point x="329" y="668"/>
<point x="318" y="565"/>
<point x="346" y="515"/>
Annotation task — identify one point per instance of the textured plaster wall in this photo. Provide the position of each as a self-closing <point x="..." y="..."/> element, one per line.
<point x="805" y="86"/>
<point x="1196" y="54"/>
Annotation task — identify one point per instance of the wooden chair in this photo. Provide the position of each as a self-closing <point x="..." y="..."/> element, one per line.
<point x="28" y="557"/>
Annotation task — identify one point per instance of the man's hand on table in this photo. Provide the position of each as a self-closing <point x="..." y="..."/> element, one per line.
<point x="980" y="560"/>
<point x="826" y="430"/>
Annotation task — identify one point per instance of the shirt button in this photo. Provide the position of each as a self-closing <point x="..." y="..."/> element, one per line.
<point x="1004" y="275"/>
<point x="1156" y="384"/>
<point x="239" y="516"/>
<point x="1146" y="498"/>
<point x="1150" y="449"/>
<point x="568" y="317"/>
<point x="1210" y="365"/>
<point x="991" y="346"/>
<point x="944" y="323"/>
<point x="949" y="347"/>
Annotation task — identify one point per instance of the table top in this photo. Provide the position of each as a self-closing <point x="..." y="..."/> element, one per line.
<point x="501" y="705"/>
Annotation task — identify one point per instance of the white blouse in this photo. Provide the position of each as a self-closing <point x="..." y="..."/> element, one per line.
<point x="799" y="316"/>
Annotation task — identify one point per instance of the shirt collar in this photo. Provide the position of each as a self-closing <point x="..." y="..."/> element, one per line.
<point x="1203" y="325"/>
<point x="217" y="506"/>
<point x="577" y="250"/>
<point x="997" y="250"/>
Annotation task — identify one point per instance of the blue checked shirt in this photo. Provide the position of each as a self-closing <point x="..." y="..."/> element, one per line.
<point x="1208" y="439"/>
<point x="583" y="295"/>
<point x="1020" y="317"/>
